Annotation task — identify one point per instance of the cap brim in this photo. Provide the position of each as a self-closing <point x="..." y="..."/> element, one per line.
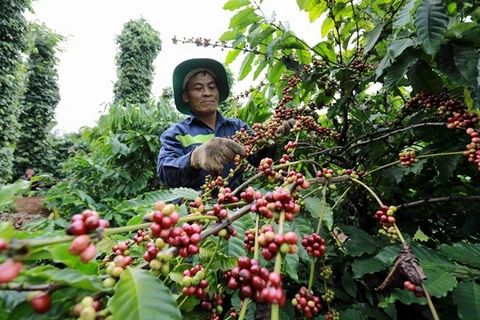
<point x="185" y="67"/>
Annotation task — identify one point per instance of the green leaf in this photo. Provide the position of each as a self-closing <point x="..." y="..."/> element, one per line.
<point x="431" y="258"/>
<point x="235" y="4"/>
<point x="399" y="68"/>
<point x="275" y="72"/>
<point x="317" y="11"/>
<point x="459" y="61"/>
<point x="314" y="206"/>
<point x="327" y="25"/>
<point x="306" y="5"/>
<point x="445" y="167"/>
<point x="6" y="230"/>
<point x="246" y="66"/>
<point x="358" y="242"/>
<point x="402" y="295"/>
<point x="60" y="254"/>
<point x="404" y="15"/>
<point x="260" y="35"/>
<point x="439" y="282"/>
<point x="75" y="279"/>
<point x="349" y="284"/>
<point x="235" y="247"/>
<point x="148" y="199"/>
<point x="243" y="18"/>
<point x="423" y="78"/>
<point x="420" y="235"/>
<point x="9" y="192"/>
<point x="397" y="47"/>
<point x="372" y="37"/>
<point x="431" y="22"/>
<point x="140" y="295"/>
<point x="232" y="55"/>
<point x="291" y="264"/>
<point x="369" y="311"/>
<point x="325" y="50"/>
<point x="466" y="32"/>
<point x="467" y="297"/>
<point x="352" y="314"/>
<point x="462" y="252"/>
<point x="363" y="266"/>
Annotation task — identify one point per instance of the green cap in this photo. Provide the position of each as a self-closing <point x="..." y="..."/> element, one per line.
<point x="186" y="67"/>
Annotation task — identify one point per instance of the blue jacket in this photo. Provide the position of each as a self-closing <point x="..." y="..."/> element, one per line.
<point x="181" y="139"/>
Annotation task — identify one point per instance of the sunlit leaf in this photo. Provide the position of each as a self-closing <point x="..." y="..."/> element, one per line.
<point x="137" y="296"/>
<point x="235" y="4"/>
<point x="244" y="18"/>
<point x="246" y="66"/>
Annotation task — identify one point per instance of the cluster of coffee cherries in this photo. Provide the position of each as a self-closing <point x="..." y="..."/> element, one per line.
<point x="352" y="173"/>
<point x="390" y="232"/>
<point x="114" y="269"/>
<point x="225" y="195"/>
<point x="407" y="158"/>
<point x="255" y="282"/>
<point x="142" y="235"/>
<point x="314" y="244"/>
<point x="196" y="206"/>
<point x="266" y="166"/>
<point x="286" y="158"/>
<point x="417" y="290"/>
<point x="328" y="296"/>
<point x="40" y="301"/>
<point x="82" y="247"/>
<point x="298" y="178"/>
<point x="164" y="218"/>
<point x="326" y="272"/>
<point x="290" y="146"/>
<point x="306" y="303"/>
<point x="473" y="148"/>
<point x="275" y="202"/>
<point x="250" y="194"/>
<point x="332" y="315"/>
<point x="214" y="306"/>
<point x="86" y="222"/>
<point x="287" y="90"/>
<point x="87" y="308"/>
<point x="194" y="282"/>
<point x="272" y="243"/>
<point x="385" y="215"/>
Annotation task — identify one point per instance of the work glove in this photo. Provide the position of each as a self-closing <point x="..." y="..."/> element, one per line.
<point x="215" y="153"/>
<point x="285" y="128"/>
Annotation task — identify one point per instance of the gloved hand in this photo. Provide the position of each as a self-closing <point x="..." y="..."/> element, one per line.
<point x="285" y="128"/>
<point x="215" y="153"/>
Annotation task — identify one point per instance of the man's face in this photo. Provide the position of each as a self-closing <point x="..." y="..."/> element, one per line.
<point x="202" y="94"/>
<point x="29" y="173"/>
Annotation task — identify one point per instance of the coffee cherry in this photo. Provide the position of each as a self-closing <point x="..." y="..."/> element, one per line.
<point x="79" y="244"/>
<point x="9" y="270"/>
<point x="88" y="254"/>
<point x="41" y="302"/>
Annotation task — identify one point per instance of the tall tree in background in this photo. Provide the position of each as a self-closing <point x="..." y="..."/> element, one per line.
<point x="39" y="102"/>
<point x="138" y="46"/>
<point x="13" y="28"/>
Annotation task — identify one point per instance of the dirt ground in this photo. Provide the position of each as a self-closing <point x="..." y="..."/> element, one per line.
<point x="28" y="209"/>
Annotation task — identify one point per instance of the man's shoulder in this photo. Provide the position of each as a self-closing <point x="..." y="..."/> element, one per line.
<point x="179" y="127"/>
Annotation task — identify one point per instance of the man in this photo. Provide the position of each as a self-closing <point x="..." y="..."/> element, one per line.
<point x="194" y="147"/>
<point x="29" y="173"/>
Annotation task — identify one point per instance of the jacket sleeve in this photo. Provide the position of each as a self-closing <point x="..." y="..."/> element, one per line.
<point x="173" y="166"/>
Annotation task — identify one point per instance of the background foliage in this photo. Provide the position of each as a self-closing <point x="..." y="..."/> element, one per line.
<point x="13" y="29"/>
<point x="138" y="46"/>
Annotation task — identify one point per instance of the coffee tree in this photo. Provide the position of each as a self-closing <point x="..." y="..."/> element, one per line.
<point x="367" y="211"/>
